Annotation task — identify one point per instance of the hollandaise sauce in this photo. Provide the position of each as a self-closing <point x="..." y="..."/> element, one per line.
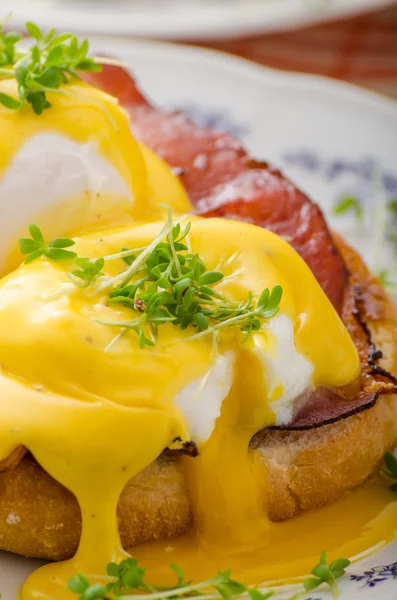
<point x="94" y="419"/>
<point x="362" y="521"/>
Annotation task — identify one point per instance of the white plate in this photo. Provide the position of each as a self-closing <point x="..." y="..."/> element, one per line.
<point x="326" y="135"/>
<point x="184" y="19"/>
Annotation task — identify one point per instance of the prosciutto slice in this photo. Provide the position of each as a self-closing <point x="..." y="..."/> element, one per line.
<point x="222" y="180"/>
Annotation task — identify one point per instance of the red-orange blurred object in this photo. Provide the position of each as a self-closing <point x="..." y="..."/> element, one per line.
<point x="361" y="50"/>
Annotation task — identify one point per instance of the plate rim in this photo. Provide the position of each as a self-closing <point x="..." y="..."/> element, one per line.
<point x="248" y="68"/>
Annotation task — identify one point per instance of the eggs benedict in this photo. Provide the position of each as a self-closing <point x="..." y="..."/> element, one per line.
<point x="166" y="378"/>
<point x="51" y="327"/>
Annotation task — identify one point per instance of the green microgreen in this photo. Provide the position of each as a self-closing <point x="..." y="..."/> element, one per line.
<point x="390" y="469"/>
<point x="256" y="594"/>
<point x="123" y="278"/>
<point x="35" y="246"/>
<point x="89" y="270"/>
<point x="328" y="574"/>
<point x="127" y="581"/>
<point x="160" y="283"/>
<point x="387" y="280"/>
<point x="8" y="41"/>
<point x="393" y="208"/>
<point x="165" y="283"/>
<point x="349" y="204"/>
<point x="50" y="63"/>
<point x="383" y="228"/>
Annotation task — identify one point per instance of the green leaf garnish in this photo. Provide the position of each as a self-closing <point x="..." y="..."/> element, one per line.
<point x="89" y="270"/>
<point x="35" y="246"/>
<point x="349" y="204"/>
<point x="393" y="207"/>
<point x="50" y="63"/>
<point x="8" y="53"/>
<point x="126" y="581"/>
<point x="165" y="283"/>
<point x="327" y="574"/>
<point x="391" y="469"/>
<point x="78" y="584"/>
<point x="9" y="101"/>
<point x="34" y="31"/>
<point x="160" y="283"/>
<point x="256" y="594"/>
<point x="385" y="278"/>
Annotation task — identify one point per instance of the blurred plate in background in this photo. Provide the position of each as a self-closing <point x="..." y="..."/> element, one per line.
<point x="184" y="19"/>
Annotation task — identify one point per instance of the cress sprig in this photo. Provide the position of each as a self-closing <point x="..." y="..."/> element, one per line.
<point x="383" y="227"/>
<point x="162" y="282"/>
<point x="88" y="272"/>
<point x="35" y="246"/>
<point x="324" y="573"/>
<point x="126" y="581"/>
<point x="52" y="61"/>
<point x="391" y="469"/>
<point x="8" y="41"/>
<point x="349" y="204"/>
<point x="165" y="283"/>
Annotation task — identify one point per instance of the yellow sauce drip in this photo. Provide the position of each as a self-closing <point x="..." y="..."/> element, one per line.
<point x="363" y="519"/>
<point x="226" y="483"/>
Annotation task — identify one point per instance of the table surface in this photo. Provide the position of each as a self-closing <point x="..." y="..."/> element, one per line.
<point x="361" y="50"/>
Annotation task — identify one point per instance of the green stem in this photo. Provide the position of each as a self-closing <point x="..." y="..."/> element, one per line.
<point x="171" y="594"/>
<point x="9" y="72"/>
<point x="180" y="591"/>
<point x="390" y="286"/>
<point x="226" y="303"/>
<point x="127" y="275"/>
<point x="105" y="60"/>
<point x="227" y="323"/>
<point x="116" y="338"/>
<point x="171" y="243"/>
<point x="334" y="587"/>
<point x="127" y="324"/>
<point x="123" y="254"/>
<point x="220" y="305"/>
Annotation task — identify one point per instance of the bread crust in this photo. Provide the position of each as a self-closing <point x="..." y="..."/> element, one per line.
<point x="306" y="469"/>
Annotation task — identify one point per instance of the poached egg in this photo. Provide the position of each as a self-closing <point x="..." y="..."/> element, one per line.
<point x="94" y="419"/>
<point x="76" y="166"/>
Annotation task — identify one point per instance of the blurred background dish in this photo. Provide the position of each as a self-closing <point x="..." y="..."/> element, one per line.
<point x="185" y="19"/>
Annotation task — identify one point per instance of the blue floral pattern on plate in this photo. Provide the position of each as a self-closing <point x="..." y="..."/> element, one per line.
<point x="215" y="119"/>
<point x="332" y="169"/>
<point x="376" y="575"/>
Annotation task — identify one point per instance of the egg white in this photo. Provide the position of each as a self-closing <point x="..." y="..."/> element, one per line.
<point x="48" y="169"/>
<point x="283" y="367"/>
<point x="201" y="400"/>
